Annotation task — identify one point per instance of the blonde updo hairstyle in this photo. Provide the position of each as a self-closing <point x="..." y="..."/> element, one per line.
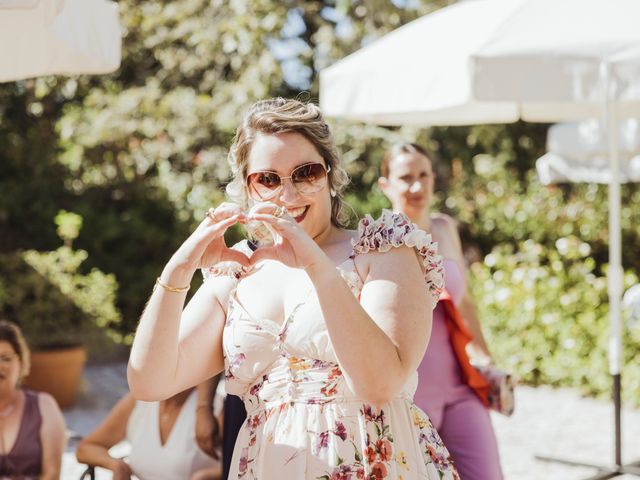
<point x="280" y="115"/>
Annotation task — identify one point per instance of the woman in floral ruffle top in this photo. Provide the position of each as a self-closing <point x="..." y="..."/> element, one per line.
<point x="319" y="331"/>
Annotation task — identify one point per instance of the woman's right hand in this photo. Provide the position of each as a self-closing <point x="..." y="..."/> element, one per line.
<point x="208" y="432"/>
<point x="206" y="246"/>
<point x="121" y="470"/>
<point x="292" y="245"/>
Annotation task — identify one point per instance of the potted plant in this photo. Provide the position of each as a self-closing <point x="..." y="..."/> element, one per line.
<point x="56" y="305"/>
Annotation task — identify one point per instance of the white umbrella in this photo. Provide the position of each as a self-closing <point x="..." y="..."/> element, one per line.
<point x="470" y="63"/>
<point x="631" y="300"/>
<point x="490" y="61"/>
<point x="419" y="74"/>
<point x="578" y="153"/>
<point x="43" y="37"/>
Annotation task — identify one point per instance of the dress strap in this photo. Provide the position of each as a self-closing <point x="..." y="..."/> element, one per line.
<point x="392" y="230"/>
<point x="229" y="269"/>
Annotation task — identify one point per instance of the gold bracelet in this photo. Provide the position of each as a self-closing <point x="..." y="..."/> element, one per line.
<point x="169" y="288"/>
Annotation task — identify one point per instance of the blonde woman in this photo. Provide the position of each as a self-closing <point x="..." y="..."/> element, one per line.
<point x="320" y="331"/>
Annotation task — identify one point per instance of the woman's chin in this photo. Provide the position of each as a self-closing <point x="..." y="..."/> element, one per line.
<point x="6" y="386"/>
<point x="415" y="210"/>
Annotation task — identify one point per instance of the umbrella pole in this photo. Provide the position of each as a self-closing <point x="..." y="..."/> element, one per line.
<point x="615" y="277"/>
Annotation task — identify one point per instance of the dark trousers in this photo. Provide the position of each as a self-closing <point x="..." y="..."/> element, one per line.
<point x="234" y="416"/>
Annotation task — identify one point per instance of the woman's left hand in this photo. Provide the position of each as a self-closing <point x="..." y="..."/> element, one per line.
<point x="292" y="245"/>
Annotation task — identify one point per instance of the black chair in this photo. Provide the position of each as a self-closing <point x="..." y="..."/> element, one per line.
<point x="74" y="439"/>
<point x="89" y="473"/>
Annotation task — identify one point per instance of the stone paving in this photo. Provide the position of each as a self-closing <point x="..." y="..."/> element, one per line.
<point x="547" y="422"/>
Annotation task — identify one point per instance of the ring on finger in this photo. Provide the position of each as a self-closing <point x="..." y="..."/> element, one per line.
<point x="211" y="213"/>
<point x="280" y="211"/>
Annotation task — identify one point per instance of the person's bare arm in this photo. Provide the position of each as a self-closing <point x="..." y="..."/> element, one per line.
<point x="53" y="436"/>
<point x="94" y="448"/>
<point x="207" y="427"/>
<point x="175" y="350"/>
<point x="380" y="340"/>
<point x="478" y="348"/>
<point x="177" y="347"/>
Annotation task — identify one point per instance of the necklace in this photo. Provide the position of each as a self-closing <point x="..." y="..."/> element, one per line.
<point x="7" y="410"/>
<point x="5" y="413"/>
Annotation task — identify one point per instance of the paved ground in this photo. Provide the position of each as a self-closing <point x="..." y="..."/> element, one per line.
<point x="547" y="422"/>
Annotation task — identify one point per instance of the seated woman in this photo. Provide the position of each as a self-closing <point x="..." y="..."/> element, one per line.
<point x="162" y="439"/>
<point x="32" y="429"/>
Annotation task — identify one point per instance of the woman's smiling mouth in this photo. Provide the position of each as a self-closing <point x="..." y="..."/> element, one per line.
<point x="298" y="213"/>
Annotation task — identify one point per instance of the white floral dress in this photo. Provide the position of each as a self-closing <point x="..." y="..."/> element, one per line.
<point x="303" y="420"/>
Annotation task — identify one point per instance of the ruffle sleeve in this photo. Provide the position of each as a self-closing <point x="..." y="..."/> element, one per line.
<point x="228" y="269"/>
<point x="395" y="230"/>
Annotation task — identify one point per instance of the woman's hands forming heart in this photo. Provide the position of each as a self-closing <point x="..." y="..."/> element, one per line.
<point x="292" y="245"/>
<point x="206" y="246"/>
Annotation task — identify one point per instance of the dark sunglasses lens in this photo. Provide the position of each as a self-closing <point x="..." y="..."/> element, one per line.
<point x="309" y="178"/>
<point x="264" y="184"/>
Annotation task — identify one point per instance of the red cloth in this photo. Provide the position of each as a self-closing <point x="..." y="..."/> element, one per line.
<point x="460" y="337"/>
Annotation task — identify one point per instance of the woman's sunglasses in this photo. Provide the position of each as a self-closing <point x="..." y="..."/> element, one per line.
<point x="306" y="179"/>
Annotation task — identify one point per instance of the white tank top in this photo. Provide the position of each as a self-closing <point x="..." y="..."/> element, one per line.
<point x="179" y="457"/>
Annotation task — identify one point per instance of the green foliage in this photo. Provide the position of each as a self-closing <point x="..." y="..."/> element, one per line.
<point x="31" y="179"/>
<point x="69" y="225"/>
<point x="539" y="268"/>
<point x="51" y="301"/>
<point x="46" y="316"/>
<point x="130" y="230"/>
<point x="546" y="315"/>
<point x="498" y="202"/>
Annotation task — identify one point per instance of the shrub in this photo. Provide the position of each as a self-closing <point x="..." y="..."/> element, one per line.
<point x="49" y="298"/>
<point x="546" y="317"/>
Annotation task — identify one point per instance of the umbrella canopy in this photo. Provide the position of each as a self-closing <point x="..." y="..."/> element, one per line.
<point x="492" y="61"/>
<point x="44" y="37"/>
<point x="587" y="52"/>
<point x="578" y="153"/>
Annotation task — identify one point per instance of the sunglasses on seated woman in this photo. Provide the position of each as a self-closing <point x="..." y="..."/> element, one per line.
<point x="306" y="179"/>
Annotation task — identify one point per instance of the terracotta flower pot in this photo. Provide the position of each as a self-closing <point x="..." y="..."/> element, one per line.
<point x="58" y="372"/>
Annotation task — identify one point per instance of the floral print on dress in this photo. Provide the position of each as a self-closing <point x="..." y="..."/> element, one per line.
<point x="395" y="230"/>
<point x="432" y="445"/>
<point x="322" y="438"/>
<point x="378" y="452"/>
<point x="304" y="421"/>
